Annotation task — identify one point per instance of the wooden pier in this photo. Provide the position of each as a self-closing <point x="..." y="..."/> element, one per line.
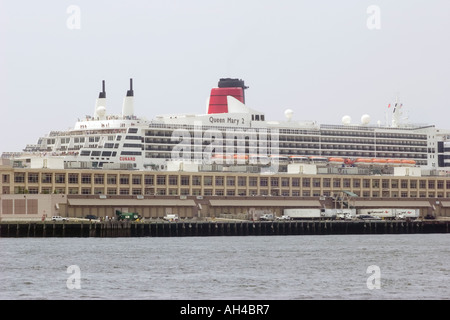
<point x="216" y="228"/>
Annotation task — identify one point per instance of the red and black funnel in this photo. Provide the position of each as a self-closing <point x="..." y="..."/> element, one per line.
<point x="227" y="87"/>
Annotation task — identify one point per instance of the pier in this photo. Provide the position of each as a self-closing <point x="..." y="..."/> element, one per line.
<point x="217" y="228"/>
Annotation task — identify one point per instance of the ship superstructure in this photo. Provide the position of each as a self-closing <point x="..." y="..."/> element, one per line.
<point x="232" y="135"/>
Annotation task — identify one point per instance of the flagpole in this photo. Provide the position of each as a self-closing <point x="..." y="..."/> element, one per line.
<point x="386" y="115"/>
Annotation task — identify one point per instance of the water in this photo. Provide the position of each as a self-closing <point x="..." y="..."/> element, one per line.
<point x="415" y="266"/>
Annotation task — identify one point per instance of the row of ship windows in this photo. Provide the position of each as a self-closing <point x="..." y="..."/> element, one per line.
<point x="98" y="153"/>
<point x="291" y="147"/>
<point x="296" y="139"/>
<point x="159" y="153"/>
<point x="52" y="141"/>
<point x="304" y="150"/>
<point x="109" y="153"/>
<point x="82" y="139"/>
<point x="314" y="134"/>
<point x="167" y="132"/>
<point x="299" y="138"/>
<point x="288" y="149"/>
<point x="375" y="134"/>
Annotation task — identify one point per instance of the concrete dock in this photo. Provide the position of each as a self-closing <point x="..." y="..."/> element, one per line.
<point x="216" y="228"/>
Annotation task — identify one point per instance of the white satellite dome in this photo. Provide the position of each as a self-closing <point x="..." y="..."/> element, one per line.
<point x="288" y="114"/>
<point x="365" y="119"/>
<point x="101" y="111"/>
<point x="346" y="120"/>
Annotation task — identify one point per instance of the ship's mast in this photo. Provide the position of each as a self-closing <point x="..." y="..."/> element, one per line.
<point x="396" y="113"/>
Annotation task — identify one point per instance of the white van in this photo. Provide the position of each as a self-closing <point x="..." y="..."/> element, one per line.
<point x="59" y="218"/>
<point x="171" y="217"/>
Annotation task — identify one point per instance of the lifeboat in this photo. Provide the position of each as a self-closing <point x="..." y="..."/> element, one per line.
<point x="363" y="162"/>
<point x="408" y="162"/>
<point x="349" y="162"/>
<point x="240" y="157"/>
<point x="379" y="162"/>
<point x="222" y="156"/>
<point x="336" y="161"/>
<point x="394" y="162"/>
<point x="298" y="158"/>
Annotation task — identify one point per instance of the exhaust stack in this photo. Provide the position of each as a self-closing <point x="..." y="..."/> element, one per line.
<point x="100" y="105"/>
<point x="128" y="103"/>
<point x="226" y="87"/>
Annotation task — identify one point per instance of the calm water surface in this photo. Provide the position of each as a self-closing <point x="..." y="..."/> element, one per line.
<point x="250" y="267"/>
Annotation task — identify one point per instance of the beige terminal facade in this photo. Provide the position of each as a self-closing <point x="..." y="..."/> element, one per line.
<point x="27" y="193"/>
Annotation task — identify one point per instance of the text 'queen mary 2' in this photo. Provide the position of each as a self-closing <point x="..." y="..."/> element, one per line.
<point x="230" y="134"/>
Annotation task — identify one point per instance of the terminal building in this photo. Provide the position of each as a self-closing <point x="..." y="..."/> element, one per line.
<point x="209" y="194"/>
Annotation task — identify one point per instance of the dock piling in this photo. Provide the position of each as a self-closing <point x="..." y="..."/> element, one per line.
<point x="216" y="228"/>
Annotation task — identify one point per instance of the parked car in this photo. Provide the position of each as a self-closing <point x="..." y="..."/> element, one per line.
<point x="59" y="218"/>
<point x="344" y="216"/>
<point x="284" y="218"/>
<point x="91" y="217"/>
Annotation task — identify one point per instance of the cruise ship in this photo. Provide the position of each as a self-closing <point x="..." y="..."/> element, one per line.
<point x="230" y="136"/>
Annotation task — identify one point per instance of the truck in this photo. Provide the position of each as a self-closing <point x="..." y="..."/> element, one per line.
<point x="345" y="214"/>
<point x="171" y="217"/>
<point x="266" y="217"/>
<point x="391" y="213"/>
<point x="302" y="213"/>
<point x="128" y="216"/>
<point x="383" y="213"/>
<point x="407" y="213"/>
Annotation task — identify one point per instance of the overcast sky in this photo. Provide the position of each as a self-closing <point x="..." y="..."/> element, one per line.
<point x="318" y="58"/>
